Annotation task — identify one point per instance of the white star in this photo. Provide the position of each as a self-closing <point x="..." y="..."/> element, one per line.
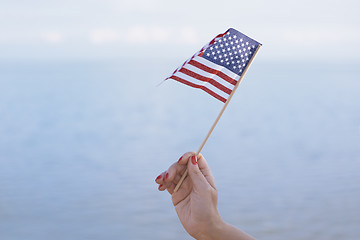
<point x="241" y="39"/>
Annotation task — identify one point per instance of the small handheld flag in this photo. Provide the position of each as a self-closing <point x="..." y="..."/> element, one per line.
<point x="218" y="69"/>
<point x="219" y="65"/>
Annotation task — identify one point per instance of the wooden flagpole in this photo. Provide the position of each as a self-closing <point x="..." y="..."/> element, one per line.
<point x="217" y="119"/>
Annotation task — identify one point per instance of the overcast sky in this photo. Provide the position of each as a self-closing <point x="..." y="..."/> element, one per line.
<point x="87" y="29"/>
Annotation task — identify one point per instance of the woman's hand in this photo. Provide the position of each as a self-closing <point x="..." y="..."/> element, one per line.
<point x="196" y="200"/>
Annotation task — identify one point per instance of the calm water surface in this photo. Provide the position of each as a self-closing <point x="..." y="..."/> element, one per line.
<point x="81" y="144"/>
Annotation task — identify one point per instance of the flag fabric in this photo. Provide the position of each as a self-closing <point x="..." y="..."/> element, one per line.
<point x="219" y="65"/>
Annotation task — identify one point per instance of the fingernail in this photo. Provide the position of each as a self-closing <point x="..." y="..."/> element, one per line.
<point x="166" y="176"/>
<point x="158" y="177"/>
<point x="179" y="159"/>
<point x="160" y="186"/>
<point x="193" y="160"/>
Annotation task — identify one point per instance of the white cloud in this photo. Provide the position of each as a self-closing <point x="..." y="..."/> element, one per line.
<point x="53" y="37"/>
<point x="148" y="35"/>
<point x="322" y="35"/>
<point x="104" y="36"/>
<point x="161" y="35"/>
<point x="133" y="35"/>
<point x="316" y="41"/>
<point x="137" y="35"/>
<point x="188" y="35"/>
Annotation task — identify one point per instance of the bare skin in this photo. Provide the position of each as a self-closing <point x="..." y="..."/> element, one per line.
<point x="196" y="200"/>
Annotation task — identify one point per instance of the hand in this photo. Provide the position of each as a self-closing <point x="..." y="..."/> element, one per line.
<point x="196" y="200"/>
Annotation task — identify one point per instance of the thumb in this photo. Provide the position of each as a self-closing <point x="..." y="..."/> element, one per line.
<point x="197" y="177"/>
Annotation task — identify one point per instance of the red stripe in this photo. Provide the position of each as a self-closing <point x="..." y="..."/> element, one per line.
<point x="213" y="71"/>
<point x="205" y="79"/>
<point x="217" y="96"/>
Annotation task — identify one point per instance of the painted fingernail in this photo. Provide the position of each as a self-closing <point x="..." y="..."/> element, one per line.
<point x="160" y="186"/>
<point x="166" y="176"/>
<point x="193" y="160"/>
<point x="158" y="177"/>
<point x="179" y="159"/>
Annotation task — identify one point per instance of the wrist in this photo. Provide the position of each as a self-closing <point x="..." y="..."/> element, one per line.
<point x="214" y="230"/>
<point x="223" y="230"/>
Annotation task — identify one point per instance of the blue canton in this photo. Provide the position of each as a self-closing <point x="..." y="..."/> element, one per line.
<point x="233" y="51"/>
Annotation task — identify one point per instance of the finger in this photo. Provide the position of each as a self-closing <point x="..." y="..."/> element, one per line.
<point x="197" y="177"/>
<point x="159" y="179"/>
<point x="161" y="187"/>
<point x="183" y="192"/>
<point x="183" y="160"/>
<point x="177" y="169"/>
<point x="204" y="168"/>
<point x="172" y="176"/>
<point x="169" y="179"/>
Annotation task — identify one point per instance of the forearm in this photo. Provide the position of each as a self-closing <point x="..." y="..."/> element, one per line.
<point x="226" y="231"/>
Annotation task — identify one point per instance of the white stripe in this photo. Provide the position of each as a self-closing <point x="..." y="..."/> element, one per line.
<point x="216" y="67"/>
<point x="202" y="83"/>
<point x="209" y="75"/>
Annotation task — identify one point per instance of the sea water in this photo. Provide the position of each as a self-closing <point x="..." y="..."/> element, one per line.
<point x="81" y="143"/>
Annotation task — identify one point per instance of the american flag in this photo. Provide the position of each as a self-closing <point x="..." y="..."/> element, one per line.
<point x="219" y="65"/>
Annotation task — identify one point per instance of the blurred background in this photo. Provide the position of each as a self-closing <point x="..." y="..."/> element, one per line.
<point x="84" y="130"/>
